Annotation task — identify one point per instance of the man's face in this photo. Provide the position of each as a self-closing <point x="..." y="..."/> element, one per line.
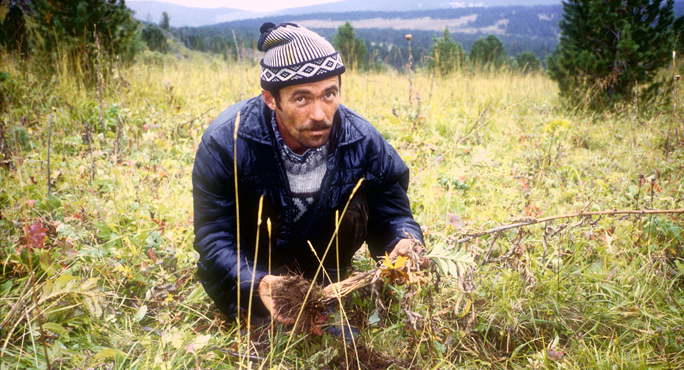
<point x="305" y="113"/>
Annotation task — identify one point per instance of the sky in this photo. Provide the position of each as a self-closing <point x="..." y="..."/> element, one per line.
<point x="251" y="5"/>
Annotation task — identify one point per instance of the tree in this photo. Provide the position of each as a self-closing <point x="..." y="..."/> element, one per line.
<point x="164" y="22"/>
<point x="488" y="52"/>
<point x="14" y="36"/>
<point x="446" y="55"/>
<point x="353" y="49"/>
<point x="154" y="37"/>
<point x="84" y="32"/>
<point x="609" y="49"/>
<point x="527" y="62"/>
<point x="678" y="27"/>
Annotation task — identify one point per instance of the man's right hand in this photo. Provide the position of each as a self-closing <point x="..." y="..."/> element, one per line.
<point x="265" y="288"/>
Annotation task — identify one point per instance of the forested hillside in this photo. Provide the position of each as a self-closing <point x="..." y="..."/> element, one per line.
<point x="520" y="28"/>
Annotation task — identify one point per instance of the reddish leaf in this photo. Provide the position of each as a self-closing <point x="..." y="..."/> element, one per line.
<point x="150" y="252"/>
<point x="35" y="236"/>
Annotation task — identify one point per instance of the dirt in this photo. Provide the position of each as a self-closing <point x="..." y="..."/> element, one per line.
<point x="290" y="293"/>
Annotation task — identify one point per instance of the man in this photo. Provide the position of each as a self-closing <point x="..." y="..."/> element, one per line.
<point x="299" y="155"/>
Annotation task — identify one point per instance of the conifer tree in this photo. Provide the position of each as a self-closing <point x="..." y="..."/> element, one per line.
<point x="608" y="49"/>
<point x="164" y="22"/>
<point x="488" y="52"/>
<point x="14" y="36"/>
<point x="353" y="49"/>
<point x="446" y="55"/>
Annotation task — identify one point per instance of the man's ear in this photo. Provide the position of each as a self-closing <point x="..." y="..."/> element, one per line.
<point x="269" y="99"/>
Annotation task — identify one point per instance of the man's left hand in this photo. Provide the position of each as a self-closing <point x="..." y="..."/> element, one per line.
<point x="403" y="247"/>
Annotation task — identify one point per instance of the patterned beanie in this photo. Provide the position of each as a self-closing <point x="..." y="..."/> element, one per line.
<point x="295" y="55"/>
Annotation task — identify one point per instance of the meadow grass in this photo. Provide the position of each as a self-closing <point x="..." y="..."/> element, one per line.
<point x="111" y="243"/>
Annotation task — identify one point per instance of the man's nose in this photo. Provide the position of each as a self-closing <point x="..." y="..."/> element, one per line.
<point x="317" y="112"/>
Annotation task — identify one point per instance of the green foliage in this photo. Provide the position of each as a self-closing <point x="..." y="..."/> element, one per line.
<point x="84" y="32"/>
<point x="488" y="52"/>
<point x="454" y="262"/>
<point x="154" y="37"/>
<point x="353" y="49"/>
<point x="446" y="55"/>
<point x="115" y="272"/>
<point x="609" y="51"/>
<point x="527" y="62"/>
<point x="14" y="35"/>
<point x="164" y="22"/>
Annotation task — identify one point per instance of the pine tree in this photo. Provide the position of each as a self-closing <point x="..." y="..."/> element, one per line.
<point x="14" y="35"/>
<point x="608" y="49"/>
<point x="446" y="55"/>
<point x="164" y="22"/>
<point x="488" y="52"/>
<point x="353" y="49"/>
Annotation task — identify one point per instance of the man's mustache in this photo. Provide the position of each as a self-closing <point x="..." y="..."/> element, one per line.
<point x="318" y="126"/>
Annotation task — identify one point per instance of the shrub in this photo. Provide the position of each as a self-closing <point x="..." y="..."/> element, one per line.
<point x="527" y="62"/>
<point x="84" y="32"/>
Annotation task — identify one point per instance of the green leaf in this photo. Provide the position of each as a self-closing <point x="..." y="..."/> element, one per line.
<point x="450" y="261"/>
<point x="140" y="313"/>
<point x="55" y="328"/>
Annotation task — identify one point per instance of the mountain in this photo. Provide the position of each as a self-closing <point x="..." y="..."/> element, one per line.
<point x="182" y="16"/>
<point x="520" y="28"/>
<point x="408" y="5"/>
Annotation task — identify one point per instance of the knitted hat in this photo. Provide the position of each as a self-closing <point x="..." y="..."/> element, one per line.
<point x="295" y="55"/>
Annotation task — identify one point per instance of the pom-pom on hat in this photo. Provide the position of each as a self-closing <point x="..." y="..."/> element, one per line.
<point x="295" y="55"/>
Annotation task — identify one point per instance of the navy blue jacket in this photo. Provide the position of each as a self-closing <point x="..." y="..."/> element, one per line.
<point x="356" y="150"/>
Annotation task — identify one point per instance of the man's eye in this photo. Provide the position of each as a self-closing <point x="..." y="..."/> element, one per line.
<point x="330" y="95"/>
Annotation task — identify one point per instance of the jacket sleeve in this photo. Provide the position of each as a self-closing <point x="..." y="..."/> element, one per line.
<point x="389" y="212"/>
<point x="216" y="229"/>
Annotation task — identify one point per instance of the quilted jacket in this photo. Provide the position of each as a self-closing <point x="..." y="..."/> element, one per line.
<point x="356" y="151"/>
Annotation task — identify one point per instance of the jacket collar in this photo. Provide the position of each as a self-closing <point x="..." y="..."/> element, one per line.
<point x="255" y="124"/>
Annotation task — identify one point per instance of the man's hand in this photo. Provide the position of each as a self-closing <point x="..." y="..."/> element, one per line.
<point x="403" y="247"/>
<point x="265" y="288"/>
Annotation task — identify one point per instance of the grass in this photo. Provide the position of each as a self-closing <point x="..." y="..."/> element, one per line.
<point x="111" y="245"/>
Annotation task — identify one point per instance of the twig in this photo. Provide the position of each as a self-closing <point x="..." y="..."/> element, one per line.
<point x="190" y="122"/>
<point x="38" y="314"/>
<point x="49" y="186"/>
<point x="89" y="133"/>
<point x="409" y="66"/>
<point x="532" y="221"/>
<point x="100" y="84"/>
<point x="237" y="220"/>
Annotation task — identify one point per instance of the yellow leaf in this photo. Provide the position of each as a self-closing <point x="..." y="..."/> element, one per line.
<point x="399" y="263"/>
<point x="466" y="309"/>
